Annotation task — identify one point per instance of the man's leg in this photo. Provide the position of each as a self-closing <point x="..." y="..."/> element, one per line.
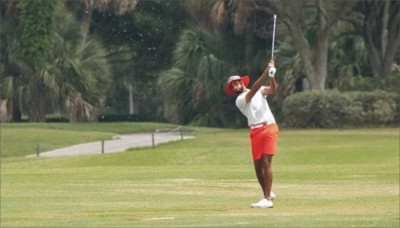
<point x="258" y="166"/>
<point x="266" y="161"/>
<point x="264" y="176"/>
<point x="263" y="170"/>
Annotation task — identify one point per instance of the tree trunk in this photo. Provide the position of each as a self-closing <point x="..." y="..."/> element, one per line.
<point x="321" y="48"/>
<point x="86" y="20"/>
<point x="42" y="107"/>
<point x="38" y="114"/>
<point x="382" y="35"/>
<point x="132" y="108"/>
<point x="16" y="111"/>
<point x="321" y="62"/>
<point x="313" y="72"/>
<point x="392" y="41"/>
<point x="37" y="100"/>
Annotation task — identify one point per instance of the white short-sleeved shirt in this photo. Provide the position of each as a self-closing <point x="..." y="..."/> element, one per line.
<point x="257" y="110"/>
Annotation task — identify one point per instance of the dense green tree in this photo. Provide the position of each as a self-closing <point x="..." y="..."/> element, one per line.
<point x="309" y="24"/>
<point x="137" y="38"/>
<point x="35" y="29"/>
<point x="117" y="7"/>
<point x="11" y="66"/>
<point x="243" y="20"/>
<point x="139" y="44"/>
<point x="348" y="57"/>
<point x="192" y="90"/>
<point x="27" y="51"/>
<point x="79" y="76"/>
<point x="73" y="80"/>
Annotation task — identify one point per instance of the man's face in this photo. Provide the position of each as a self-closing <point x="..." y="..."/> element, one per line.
<point x="237" y="86"/>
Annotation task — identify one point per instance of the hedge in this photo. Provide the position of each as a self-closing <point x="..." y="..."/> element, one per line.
<point x="335" y="109"/>
<point x="107" y="118"/>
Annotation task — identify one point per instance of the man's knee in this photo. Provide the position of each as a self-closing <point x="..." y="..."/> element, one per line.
<point x="266" y="159"/>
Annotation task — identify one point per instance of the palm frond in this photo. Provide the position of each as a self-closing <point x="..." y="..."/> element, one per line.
<point x="7" y="87"/>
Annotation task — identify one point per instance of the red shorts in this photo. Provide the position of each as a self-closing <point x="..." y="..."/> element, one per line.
<point x="264" y="140"/>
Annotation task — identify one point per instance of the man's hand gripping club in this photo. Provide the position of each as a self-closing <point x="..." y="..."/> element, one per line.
<point x="268" y="72"/>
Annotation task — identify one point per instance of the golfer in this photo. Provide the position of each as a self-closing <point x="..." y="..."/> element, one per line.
<point x="263" y="128"/>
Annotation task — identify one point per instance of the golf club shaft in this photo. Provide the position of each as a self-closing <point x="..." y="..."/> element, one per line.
<point x="273" y="38"/>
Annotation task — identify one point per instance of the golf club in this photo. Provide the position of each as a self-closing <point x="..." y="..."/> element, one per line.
<point x="273" y="69"/>
<point x="273" y="38"/>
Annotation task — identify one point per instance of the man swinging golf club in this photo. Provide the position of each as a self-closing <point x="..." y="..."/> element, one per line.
<point x="264" y="130"/>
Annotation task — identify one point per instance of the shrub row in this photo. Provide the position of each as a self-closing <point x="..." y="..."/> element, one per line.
<point x="106" y="118"/>
<point x="123" y="118"/>
<point x="335" y="109"/>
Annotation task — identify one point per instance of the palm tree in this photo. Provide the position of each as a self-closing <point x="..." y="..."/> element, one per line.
<point x="13" y="83"/>
<point x="346" y="64"/>
<point x="79" y="74"/>
<point x="192" y="90"/>
<point x="239" y="16"/>
<point x="31" y="44"/>
<point x="74" y="75"/>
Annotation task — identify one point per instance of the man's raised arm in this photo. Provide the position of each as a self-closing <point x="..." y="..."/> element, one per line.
<point x="260" y="81"/>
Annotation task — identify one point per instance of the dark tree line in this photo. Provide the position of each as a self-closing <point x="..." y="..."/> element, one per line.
<point x="168" y="60"/>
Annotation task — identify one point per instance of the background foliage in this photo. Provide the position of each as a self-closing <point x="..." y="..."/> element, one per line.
<point x="168" y="60"/>
<point x="36" y="26"/>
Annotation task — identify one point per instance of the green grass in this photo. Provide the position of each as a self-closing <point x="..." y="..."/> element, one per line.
<point x="322" y="178"/>
<point x="24" y="138"/>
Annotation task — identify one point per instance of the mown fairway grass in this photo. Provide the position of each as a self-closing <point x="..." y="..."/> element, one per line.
<point x="24" y="138"/>
<point x="322" y="178"/>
